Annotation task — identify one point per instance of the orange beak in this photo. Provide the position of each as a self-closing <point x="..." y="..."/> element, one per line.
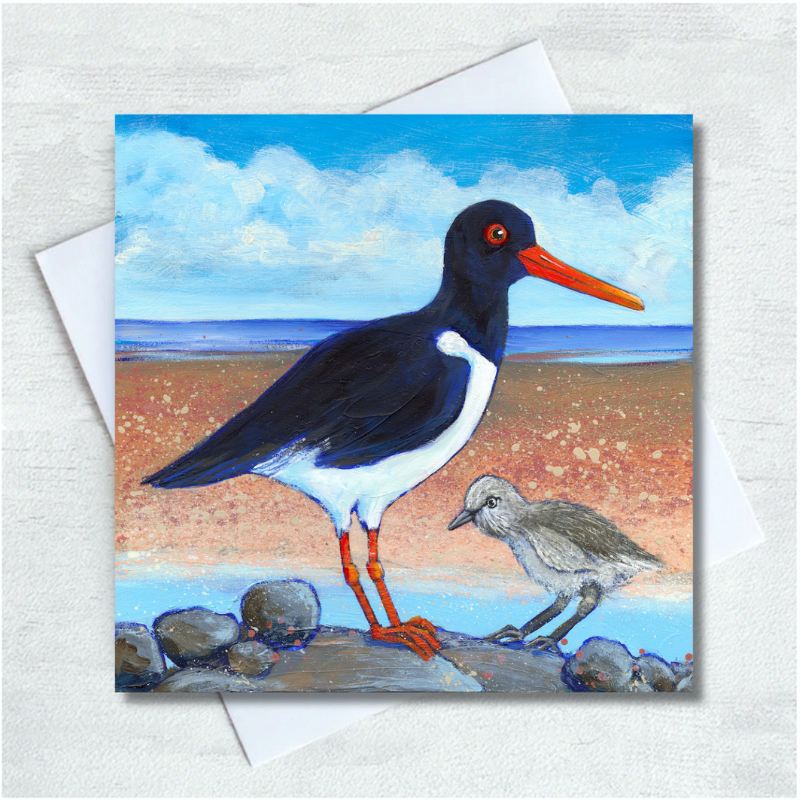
<point x="541" y="264"/>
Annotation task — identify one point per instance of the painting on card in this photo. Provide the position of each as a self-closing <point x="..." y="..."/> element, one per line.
<point x="404" y="403"/>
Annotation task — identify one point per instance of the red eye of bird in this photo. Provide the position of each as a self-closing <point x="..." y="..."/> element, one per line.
<point x="495" y="234"/>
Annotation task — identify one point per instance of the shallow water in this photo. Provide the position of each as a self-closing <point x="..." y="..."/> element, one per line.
<point x="660" y="624"/>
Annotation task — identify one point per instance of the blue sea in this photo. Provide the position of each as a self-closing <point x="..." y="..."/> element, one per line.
<point x="616" y="344"/>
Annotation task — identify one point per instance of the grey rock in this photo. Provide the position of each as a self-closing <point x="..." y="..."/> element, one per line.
<point x="681" y="669"/>
<point x="654" y="672"/>
<point x="251" y="658"/>
<point x="138" y="661"/>
<point x="601" y="665"/>
<point x="685" y="684"/>
<point x="284" y="613"/>
<point x="195" y="635"/>
<point x="498" y="668"/>
<point x="207" y="679"/>
<point x="349" y="661"/>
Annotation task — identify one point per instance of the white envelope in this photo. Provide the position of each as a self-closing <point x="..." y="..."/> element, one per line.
<point x="80" y="276"/>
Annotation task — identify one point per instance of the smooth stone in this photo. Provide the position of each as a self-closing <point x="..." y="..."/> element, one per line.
<point x="251" y="658"/>
<point x="685" y="684"/>
<point x="138" y="661"/>
<point x="345" y="660"/>
<point x="655" y="672"/>
<point x="499" y="668"/>
<point x="207" y="679"/>
<point x="195" y="635"/>
<point x="600" y="665"/>
<point x="283" y="613"/>
<point x="681" y="669"/>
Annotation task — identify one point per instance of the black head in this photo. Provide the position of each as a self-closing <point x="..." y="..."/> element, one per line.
<point x="484" y="240"/>
<point x="492" y="244"/>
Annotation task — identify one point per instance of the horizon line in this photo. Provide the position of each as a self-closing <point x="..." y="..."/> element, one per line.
<point x="118" y="320"/>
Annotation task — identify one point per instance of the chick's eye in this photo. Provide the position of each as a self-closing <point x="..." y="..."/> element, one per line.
<point x="495" y="234"/>
<point x="492" y="502"/>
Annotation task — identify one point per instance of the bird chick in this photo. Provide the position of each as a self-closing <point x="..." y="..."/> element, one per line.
<point x="568" y="549"/>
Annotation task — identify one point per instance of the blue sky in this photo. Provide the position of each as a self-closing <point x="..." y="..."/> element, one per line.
<point x="232" y="217"/>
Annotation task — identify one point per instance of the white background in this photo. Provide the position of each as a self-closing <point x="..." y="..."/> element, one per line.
<point x="68" y="69"/>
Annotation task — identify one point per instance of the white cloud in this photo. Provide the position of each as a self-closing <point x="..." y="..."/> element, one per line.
<point x="259" y="241"/>
<point x="368" y="242"/>
<point x="136" y="243"/>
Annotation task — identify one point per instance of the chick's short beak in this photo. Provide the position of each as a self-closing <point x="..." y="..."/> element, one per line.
<point x="462" y="519"/>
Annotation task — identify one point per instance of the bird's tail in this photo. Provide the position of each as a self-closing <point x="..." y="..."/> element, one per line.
<point x="191" y="469"/>
<point x="647" y="562"/>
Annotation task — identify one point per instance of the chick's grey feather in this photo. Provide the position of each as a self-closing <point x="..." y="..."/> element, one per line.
<point x="569" y="536"/>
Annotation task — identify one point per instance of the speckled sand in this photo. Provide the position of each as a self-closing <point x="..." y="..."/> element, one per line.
<point x="617" y="438"/>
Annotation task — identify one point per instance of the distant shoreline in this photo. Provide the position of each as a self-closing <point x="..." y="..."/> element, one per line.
<point x="577" y="357"/>
<point x="611" y="344"/>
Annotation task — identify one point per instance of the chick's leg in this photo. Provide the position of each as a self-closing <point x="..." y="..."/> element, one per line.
<point x="514" y="634"/>
<point x="590" y="597"/>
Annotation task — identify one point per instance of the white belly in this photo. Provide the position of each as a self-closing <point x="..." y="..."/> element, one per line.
<point x="606" y="575"/>
<point x="371" y="489"/>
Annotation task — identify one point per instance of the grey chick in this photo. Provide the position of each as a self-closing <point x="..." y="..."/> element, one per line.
<point x="566" y="548"/>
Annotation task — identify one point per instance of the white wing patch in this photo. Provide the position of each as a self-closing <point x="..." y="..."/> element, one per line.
<point x="371" y="489"/>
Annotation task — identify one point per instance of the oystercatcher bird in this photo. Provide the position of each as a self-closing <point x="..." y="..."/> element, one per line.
<point x="368" y="414"/>
<point x="568" y="549"/>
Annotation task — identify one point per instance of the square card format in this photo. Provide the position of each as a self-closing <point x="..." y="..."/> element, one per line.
<point x="389" y="385"/>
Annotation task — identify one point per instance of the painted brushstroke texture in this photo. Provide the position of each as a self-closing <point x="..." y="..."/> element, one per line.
<point x="282" y="231"/>
<point x="371" y="488"/>
<point x="395" y="416"/>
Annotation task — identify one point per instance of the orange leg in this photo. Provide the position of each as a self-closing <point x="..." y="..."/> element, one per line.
<point x="415" y="638"/>
<point x="351" y="579"/>
<point x="376" y="572"/>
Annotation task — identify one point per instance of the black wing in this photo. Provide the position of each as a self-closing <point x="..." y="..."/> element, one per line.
<point x="356" y="398"/>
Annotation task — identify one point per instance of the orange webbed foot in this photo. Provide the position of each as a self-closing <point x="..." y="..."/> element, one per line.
<point x="420" y="639"/>
<point x="423" y="624"/>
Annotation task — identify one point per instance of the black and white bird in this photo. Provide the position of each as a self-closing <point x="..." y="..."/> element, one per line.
<point x="568" y="549"/>
<point x="371" y="412"/>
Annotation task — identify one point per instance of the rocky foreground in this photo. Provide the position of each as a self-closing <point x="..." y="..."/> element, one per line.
<point x="279" y="645"/>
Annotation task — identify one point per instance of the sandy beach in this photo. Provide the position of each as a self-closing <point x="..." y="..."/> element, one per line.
<point x="617" y="438"/>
